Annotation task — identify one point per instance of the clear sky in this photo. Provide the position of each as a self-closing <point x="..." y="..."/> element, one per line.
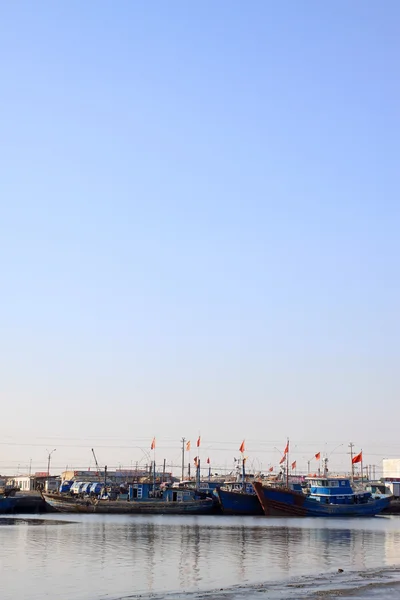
<point x="199" y="229"/>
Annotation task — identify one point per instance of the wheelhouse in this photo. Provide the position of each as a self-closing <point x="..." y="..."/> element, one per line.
<point x="323" y="486"/>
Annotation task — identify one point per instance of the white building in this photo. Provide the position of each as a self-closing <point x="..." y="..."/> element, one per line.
<point x="391" y="468"/>
<point x="25" y="483"/>
<point x="30" y="483"/>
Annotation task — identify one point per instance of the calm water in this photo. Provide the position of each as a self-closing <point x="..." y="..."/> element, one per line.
<point x="93" y="557"/>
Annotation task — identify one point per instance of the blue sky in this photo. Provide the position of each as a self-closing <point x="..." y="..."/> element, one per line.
<point x="200" y="229"/>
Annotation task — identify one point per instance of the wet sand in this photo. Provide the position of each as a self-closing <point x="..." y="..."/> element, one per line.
<point x="378" y="584"/>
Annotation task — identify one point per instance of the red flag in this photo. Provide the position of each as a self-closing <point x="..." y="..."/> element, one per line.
<point x="188" y="446"/>
<point x="293" y="465"/>
<point x="195" y="460"/>
<point x="153" y="444"/>
<point x="198" y="442"/>
<point x="286" y="450"/>
<point x="357" y="458"/>
<point x="271" y="469"/>
<point x="318" y="455"/>
<point x="241" y="449"/>
<point x="208" y="461"/>
<point x="282" y="459"/>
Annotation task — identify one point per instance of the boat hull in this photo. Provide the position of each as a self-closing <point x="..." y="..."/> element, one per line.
<point x="239" y="503"/>
<point x="290" y="503"/>
<point x="8" y="504"/>
<point x="69" y="504"/>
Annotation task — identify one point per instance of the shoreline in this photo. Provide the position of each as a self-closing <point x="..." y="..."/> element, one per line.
<point x="372" y="583"/>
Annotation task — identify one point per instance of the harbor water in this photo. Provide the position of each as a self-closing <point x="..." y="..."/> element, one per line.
<point x="98" y="557"/>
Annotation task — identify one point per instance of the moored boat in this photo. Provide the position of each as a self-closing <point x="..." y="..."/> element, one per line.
<point x="174" y="502"/>
<point x="28" y="503"/>
<point x="238" y="497"/>
<point x="7" y="504"/>
<point x="328" y="497"/>
<point x="239" y="502"/>
<point x="236" y="500"/>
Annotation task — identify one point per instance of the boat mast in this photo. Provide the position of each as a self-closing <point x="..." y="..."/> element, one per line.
<point x="183" y="440"/>
<point x="351" y="458"/>
<point x="243" y="473"/>
<point x="198" y="474"/>
<point x="362" y="472"/>
<point x="287" y="464"/>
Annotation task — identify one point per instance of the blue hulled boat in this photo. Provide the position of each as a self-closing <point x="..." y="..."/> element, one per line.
<point x="8" y="504"/>
<point x="327" y="497"/>
<point x="235" y="500"/>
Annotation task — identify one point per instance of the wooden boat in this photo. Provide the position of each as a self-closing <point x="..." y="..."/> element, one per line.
<point x="172" y="502"/>
<point x="328" y="497"/>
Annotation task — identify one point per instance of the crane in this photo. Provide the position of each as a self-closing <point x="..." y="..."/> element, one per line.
<point x="97" y="464"/>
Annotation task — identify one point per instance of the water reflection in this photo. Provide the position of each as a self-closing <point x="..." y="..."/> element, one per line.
<point x="30" y="521"/>
<point x="102" y="556"/>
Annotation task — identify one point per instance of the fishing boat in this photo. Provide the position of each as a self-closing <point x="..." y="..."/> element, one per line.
<point x="8" y="498"/>
<point x="238" y="497"/>
<point x="236" y="501"/>
<point x="141" y="498"/>
<point x="327" y="497"/>
<point x="7" y="504"/>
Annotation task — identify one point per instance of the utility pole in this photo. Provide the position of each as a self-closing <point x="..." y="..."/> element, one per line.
<point x="183" y="440"/>
<point x="48" y="466"/>
<point x="351" y="446"/>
